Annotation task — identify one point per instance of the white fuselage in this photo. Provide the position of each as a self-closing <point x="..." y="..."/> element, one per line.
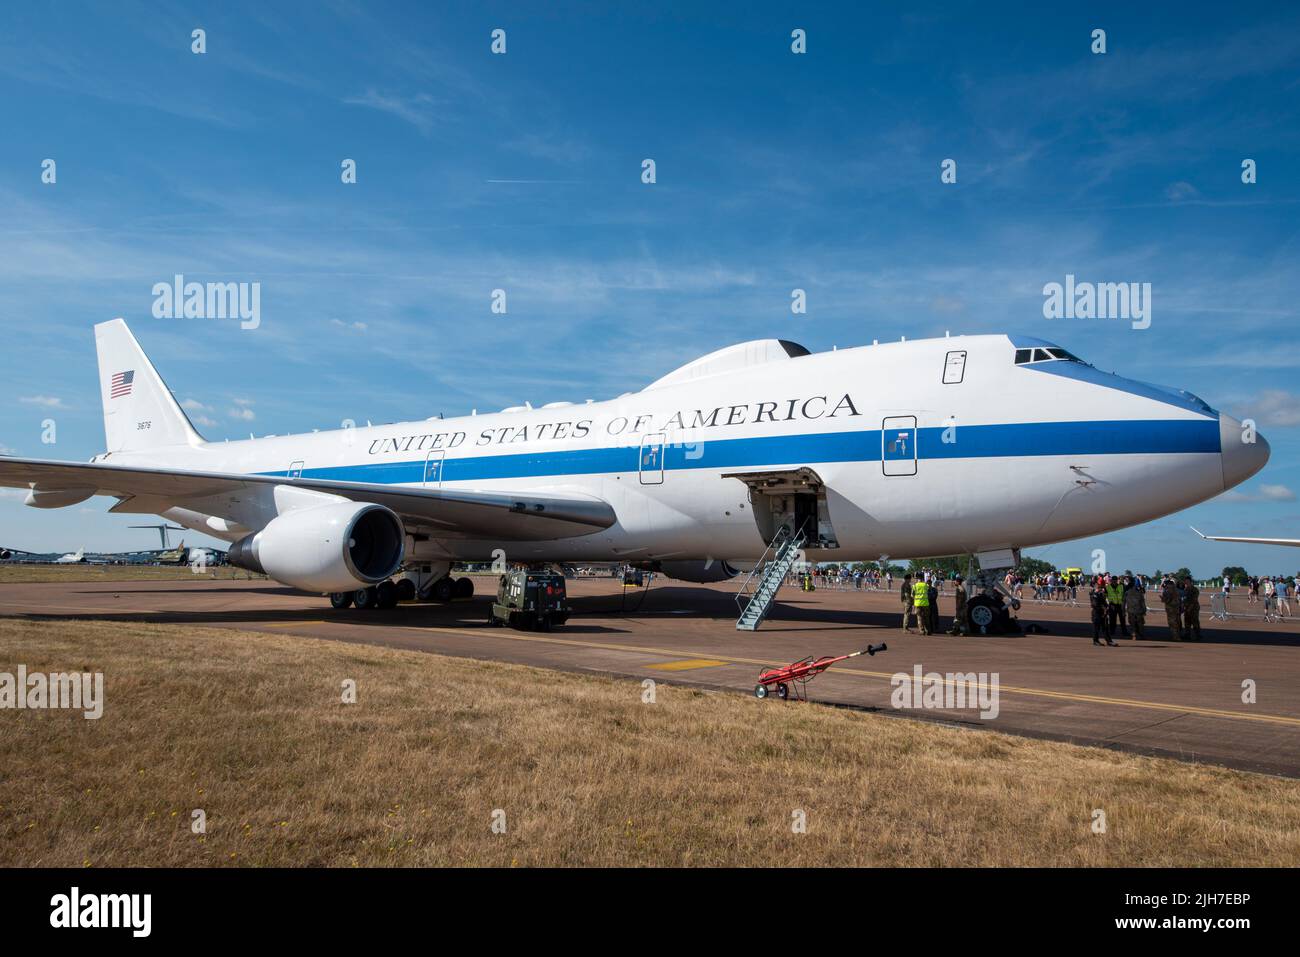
<point x="1004" y="455"/>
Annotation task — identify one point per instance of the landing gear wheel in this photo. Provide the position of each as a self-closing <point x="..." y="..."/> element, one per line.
<point x="982" y="612"/>
<point x="340" y="599"/>
<point x="783" y="691"/>
<point x="464" y="588"/>
<point x="385" y="595"/>
<point x="364" y="598"/>
<point x="760" y="691"/>
<point x="405" y="589"/>
<point x="442" y="590"/>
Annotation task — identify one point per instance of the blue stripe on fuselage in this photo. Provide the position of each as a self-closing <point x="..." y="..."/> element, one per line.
<point x="1146" y="436"/>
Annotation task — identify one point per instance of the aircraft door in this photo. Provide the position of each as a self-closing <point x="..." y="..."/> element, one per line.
<point x="295" y="469"/>
<point x="805" y="515"/>
<point x="433" y="469"/>
<point x="898" y="445"/>
<point x="652" y="459"/>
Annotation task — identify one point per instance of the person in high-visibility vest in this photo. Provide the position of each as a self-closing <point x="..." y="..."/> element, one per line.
<point x="921" y="602"/>
<point x="1115" y="606"/>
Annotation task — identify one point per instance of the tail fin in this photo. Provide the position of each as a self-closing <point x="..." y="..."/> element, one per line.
<point x="139" y="410"/>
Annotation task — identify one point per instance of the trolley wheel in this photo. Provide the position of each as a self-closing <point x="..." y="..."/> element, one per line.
<point x="405" y="589"/>
<point x="364" y="598"/>
<point x="783" y="691"/>
<point x="340" y="599"/>
<point x="760" y="691"/>
<point x="464" y="588"/>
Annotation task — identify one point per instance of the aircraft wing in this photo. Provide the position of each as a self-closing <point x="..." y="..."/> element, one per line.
<point x="451" y="513"/>
<point x="1250" y="541"/>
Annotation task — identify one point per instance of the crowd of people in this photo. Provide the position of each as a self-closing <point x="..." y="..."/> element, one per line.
<point x="1275" y="592"/>
<point x="1119" y="607"/>
<point x="1118" y="603"/>
<point x="920" y="597"/>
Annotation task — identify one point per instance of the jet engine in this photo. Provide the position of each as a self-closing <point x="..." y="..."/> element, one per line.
<point x="325" y="548"/>
<point x="713" y="570"/>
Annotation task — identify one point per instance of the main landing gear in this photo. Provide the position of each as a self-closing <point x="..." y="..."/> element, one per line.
<point x="388" y="593"/>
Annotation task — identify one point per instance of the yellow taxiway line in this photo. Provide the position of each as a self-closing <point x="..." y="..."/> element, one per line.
<point x="857" y="672"/>
<point x="720" y="659"/>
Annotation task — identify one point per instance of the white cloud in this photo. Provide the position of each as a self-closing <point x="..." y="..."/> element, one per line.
<point x="416" y="110"/>
<point x="358" y="326"/>
<point x="1266" y="493"/>
<point x="241" y="410"/>
<point x="45" y="401"/>
<point x="198" y="413"/>
<point x="1275" y="407"/>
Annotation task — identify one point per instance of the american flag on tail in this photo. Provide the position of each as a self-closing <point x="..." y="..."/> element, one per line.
<point x="120" y="384"/>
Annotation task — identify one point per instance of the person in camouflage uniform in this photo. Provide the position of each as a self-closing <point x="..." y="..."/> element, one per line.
<point x="959" y="610"/>
<point x="909" y="611"/>
<point x="1135" y="607"/>
<point x="1191" y="610"/>
<point x="1173" y="613"/>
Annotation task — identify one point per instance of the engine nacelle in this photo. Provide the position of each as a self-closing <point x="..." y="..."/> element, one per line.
<point x="325" y="548"/>
<point x="713" y="570"/>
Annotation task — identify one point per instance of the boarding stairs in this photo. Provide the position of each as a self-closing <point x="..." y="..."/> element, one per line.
<point x="758" y="591"/>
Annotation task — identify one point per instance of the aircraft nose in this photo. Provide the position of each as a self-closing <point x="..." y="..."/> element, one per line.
<point x="1245" y="452"/>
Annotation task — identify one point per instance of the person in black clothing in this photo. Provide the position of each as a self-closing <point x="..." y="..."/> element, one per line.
<point x="1100" y="615"/>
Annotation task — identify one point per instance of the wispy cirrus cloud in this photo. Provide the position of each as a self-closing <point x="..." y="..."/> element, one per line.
<point x="417" y="109"/>
<point x="1264" y="493"/>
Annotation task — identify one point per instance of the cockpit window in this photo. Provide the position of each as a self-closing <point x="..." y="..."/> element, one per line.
<point x="1046" y="354"/>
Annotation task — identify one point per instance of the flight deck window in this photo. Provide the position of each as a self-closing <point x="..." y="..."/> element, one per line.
<point x="1046" y="354"/>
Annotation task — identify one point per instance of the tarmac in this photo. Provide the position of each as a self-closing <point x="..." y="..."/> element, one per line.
<point x="1173" y="699"/>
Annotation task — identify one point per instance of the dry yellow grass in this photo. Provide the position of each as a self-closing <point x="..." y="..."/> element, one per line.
<point x="27" y="574"/>
<point x="251" y="728"/>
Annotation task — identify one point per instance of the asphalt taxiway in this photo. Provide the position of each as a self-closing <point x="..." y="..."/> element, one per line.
<point x="1156" y="696"/>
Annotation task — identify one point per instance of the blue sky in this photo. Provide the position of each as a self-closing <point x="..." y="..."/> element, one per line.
<point x="775" y="171"/>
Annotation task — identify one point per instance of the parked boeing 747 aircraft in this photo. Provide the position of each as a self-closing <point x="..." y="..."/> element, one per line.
<point x="907" y="449"/>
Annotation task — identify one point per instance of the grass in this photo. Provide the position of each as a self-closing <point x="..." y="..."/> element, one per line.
<point x="250" y="728"/>
<point x="28" y="574"/>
